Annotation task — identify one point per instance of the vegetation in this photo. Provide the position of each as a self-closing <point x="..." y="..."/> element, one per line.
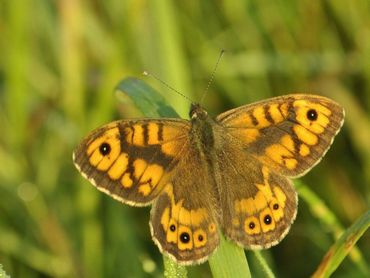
<point x="60" y="62"/>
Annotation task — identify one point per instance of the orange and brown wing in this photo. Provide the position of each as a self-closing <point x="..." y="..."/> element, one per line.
<point x="131" y="160"/>
<point x="184" y="217"/>
<point x="290" y="133"/>
<point x="258" y="205"/>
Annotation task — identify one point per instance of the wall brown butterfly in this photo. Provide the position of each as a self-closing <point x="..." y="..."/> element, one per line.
<point x="230" y="174"/>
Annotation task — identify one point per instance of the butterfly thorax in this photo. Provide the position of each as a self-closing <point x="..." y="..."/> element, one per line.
<point x="201" y="133"/>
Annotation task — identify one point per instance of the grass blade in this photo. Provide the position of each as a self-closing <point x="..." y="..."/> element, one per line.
<point x="328" y="218"/>
<point x="229" y="261"/>
<point x="265" y="267"/>
<point x="146" y="99"/>
<point x="343" y="246"/>
<point x="172" y="269"/>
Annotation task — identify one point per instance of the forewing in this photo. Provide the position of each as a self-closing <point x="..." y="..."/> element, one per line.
<point x="132" y="160"/>
<point x="184" y="217"/>
<point x="290" y="133"/>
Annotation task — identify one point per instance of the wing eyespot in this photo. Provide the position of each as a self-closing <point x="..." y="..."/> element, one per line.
<point x="184" y="237"/>
<point x="267" y="219"/>
<point x="312" y="115"/>
<point x="105" y="149"/>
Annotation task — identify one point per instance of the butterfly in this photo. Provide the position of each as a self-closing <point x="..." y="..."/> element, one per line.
<point x="205" y="176"/>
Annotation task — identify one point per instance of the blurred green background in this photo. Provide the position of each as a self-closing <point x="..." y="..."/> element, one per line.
<point x="59" y="64"/>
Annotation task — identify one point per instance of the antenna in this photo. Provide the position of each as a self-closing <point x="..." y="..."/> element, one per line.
<point x="146" y="73"/>
<point x="212" y="75"/>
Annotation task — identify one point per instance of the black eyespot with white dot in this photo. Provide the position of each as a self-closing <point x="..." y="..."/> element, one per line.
<point x="173" y="228"/>
<point x="251" y="225"/>
<point x="275" y="206"/>
<point x="312" y="115"/>
<point x="200" y="238"/>
<point x="267" y="219"/>
<point x="185" y="237"/>
<point x="105" y="149"/>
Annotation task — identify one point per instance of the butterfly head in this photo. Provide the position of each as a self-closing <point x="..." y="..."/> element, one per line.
<point x="196" y="111"/>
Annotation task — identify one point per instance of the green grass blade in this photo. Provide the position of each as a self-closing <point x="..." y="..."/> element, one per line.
<point x="328" y="218"/>
<point x="343" y="246"/>
<point x="173" y="270"/>
<point x="167" y="31"/>
<point x="146" y="99"/>
<point x="229" y="260"/>
<point x="265" y="267"/>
